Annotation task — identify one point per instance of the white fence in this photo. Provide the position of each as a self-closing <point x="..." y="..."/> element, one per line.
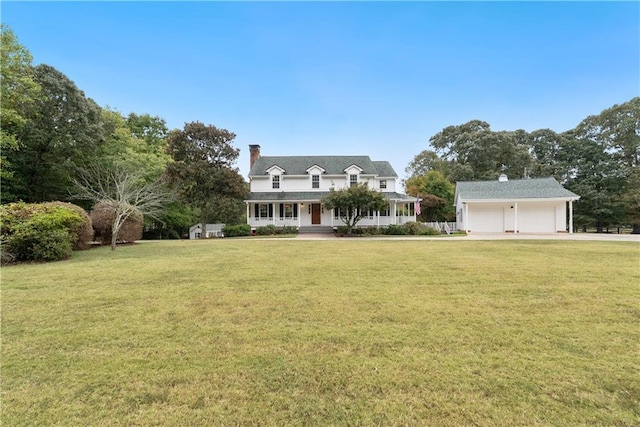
<point x="444" y="226"/>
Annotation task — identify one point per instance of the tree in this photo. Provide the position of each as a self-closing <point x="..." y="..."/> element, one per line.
<point x="425" y="161"/>
<point x="18" y="92"/>
<point x="600" y="156"/>
<point x="202" y="168"/>
<point x="545" y="147"/>
<point x="102" y="217"/>
<point x="475" y="152"/>
<point x="122" y="193"/>
<point x="354" y="202"/>
<point x="137" y="143"/>
<point x="63" y="130"/>
<point x="631" y="200"/>
<point x="436" y="194"/>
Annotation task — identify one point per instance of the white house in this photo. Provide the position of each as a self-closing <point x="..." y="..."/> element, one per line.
<point x="213" y="230"/>
<point x="287" y="190"/>
<point x="514" y="206"/>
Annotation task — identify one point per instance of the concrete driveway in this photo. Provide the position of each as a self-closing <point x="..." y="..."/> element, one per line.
<point x="492" y="236"/>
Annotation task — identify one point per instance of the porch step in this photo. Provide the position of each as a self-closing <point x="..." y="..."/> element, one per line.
<point x="316" y="229"/>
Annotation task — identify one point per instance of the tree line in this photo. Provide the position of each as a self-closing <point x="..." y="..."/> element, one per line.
<point x="598" y="160"/>
<point x="53" y="138"/>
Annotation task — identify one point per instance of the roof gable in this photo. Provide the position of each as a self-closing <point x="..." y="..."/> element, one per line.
<point x="275" y="169"/>
<point x="537" y="188"/>
<point x="315" y="167"/>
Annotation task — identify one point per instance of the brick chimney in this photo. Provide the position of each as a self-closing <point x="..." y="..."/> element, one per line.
<point x="254" y="151"/>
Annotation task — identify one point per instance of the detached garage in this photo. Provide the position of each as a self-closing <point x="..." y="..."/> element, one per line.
<point x="517" y="206"/>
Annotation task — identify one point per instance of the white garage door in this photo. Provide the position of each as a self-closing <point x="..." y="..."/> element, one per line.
<point x="537" y="219"/>
<point x="486" y="219"/>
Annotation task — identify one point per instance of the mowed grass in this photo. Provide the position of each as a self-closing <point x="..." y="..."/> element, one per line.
<point x="341" y="332"/>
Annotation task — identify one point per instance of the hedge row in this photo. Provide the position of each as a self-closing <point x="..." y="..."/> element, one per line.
<point x="272" y="230"/>
<point x="408" y="228"/>
<point x="267" y="230"/>
<point x="237" y="230"/>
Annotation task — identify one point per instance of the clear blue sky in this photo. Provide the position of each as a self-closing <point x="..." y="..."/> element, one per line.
<point x="338" y="78"/>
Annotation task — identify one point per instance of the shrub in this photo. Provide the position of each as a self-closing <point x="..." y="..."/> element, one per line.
<point x="289" y="229"/>
<point x="41" y="232"/>
<point x="341" y="230"/>
<point x="237" y="230"/>
<point x="102" y="217"/>
<point x="372" y="231"/>
<point x="430" y="231"/>
<point x="267" y="230"/>
<point x="396" y="230"/>
<point x="413" y="228"/>
<point x="84" y="231"/>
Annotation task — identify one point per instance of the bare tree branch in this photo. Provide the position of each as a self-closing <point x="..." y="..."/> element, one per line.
<point x="122" y="191"/>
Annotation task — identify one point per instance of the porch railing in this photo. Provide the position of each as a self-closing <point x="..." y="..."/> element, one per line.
<point x="443" y="226"/>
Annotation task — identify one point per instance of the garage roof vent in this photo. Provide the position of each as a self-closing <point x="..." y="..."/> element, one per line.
<point x="503" y="178"/>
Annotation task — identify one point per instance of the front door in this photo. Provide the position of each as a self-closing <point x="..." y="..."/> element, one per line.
<point x="315" y="214"/>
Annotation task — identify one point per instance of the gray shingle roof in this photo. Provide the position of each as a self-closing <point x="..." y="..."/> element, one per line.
<point x="333" y="165"/>
<point x="300" y="196"/>
<point x="537" y="188"/>
<point x="384" y="168"/>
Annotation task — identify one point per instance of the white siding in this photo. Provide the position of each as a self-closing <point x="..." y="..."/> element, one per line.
<point x="261" y="184"/>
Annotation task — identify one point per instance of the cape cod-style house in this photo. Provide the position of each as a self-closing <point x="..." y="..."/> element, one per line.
<point x="287" y="190"/>
<point x="537" y="205"/>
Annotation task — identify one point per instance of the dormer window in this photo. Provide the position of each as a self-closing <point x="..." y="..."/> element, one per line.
<point x="315" y="181"/>
<point x="353" y="180"/>
<point x="383" y="184"/>
<point x="275" y="181"/>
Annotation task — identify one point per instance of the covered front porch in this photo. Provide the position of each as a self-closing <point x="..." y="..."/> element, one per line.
<point x="310" y="212"/>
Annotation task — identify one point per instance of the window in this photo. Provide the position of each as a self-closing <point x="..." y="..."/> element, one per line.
<point x="384" y="212"/>
<point x="264" y="210"/>
<point x="288" y="210"/>
<point x="275" y="181"/>
<point x="353" y="180"/>
<point x="315" y="181"/>
<point x="383" y="184"/>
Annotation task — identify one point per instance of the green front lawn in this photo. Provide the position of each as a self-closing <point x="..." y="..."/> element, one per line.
<point x="336" y="332"/>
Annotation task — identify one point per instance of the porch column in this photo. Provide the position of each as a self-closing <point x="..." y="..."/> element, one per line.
<point x="467" y="220"/>
<point x="515" y="213"/>
<point x="570" y="216"/>
<point x="333" y="214"/>
<point x="393" y="213"/>
<point x="299" y="215"/>
<point x="273" y="210"/>
<point x="248" y="211"/>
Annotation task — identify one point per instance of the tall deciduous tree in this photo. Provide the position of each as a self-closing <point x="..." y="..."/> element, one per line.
<point x="426" y="161"/>
<point x="354" y="203"/>
<point x="546" y="148"/>
<point x="18" y="93"/>
<point x="601" y="154"/>
<point x="631" y="200"/>
<point x="136" y="143"/>
<point x="202" y="170"/>
<point x="64" y="130"/>
<point x="475" y="152"/>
